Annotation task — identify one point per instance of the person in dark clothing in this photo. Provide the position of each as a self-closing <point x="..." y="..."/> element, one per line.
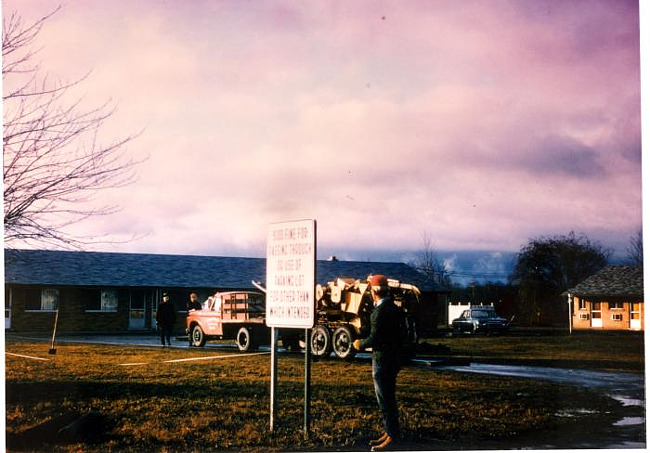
<point x="165" y="318"/>
<point x="194" y="303"/>
<point x="385" y="339"/>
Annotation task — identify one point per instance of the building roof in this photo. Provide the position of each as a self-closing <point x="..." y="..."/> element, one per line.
<point x="612" y="281"/>
<point x="73" y="268"/>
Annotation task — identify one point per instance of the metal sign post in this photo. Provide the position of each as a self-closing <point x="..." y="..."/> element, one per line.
<point x="569" y="298"/>
<point x="274" y="376"/>
<point x="307" y="382"/>
<point x="290" y="292"/>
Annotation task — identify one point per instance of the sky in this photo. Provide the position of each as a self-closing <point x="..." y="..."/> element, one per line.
<point x="477" y="124"/>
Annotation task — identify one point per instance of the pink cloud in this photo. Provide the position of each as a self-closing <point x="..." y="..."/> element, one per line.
<point x="485" y="123"/>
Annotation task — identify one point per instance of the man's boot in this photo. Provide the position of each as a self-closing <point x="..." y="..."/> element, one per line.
<point x="379" y="441"/>
<point x="388" y="445"/>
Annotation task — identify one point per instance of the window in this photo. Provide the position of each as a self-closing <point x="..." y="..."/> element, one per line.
<point x="616" y="305"/>
<point x="617" y="317"/>
<point x="50" y="299"/>
<point x="582" y="305"/>
<point x="636" y="311"/>
<point x="105" y="300"/>
<point x="109" y="300"/>
<point x="584" y="316"/>
<point x="42" y="299"/>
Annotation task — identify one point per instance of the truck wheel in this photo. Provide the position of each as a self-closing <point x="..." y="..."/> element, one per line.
<point x="321" y="341"/>
<point x="244" y="340"/>
<point x="197" y="337"/>
<point x="342" y="343"/>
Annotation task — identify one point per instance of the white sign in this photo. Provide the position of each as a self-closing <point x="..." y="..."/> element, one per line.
<point x="291" y="274"/>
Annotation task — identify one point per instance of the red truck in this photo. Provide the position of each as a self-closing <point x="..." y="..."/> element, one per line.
<point x="237" y="315"/>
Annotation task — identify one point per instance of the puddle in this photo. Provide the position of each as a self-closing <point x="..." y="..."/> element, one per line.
<point x="627" y="388"/>
<point x="575" y="413"/>
<point x="630" y="421"/>
<point x="628" y="402"/>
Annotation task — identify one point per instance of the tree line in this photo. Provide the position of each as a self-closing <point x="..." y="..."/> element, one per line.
<point x="544" y="268"/>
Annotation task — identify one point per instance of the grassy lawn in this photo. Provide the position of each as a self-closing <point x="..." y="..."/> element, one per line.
<point x="620" y="351"/>
<point x="140" y="399"/>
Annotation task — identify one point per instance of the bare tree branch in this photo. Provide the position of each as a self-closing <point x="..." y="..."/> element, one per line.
<point x="53" y="160"/>
<point x="428" y="263"/>
<point x="635" y="249"/>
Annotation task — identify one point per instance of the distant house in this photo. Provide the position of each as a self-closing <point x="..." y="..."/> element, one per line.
<point x="119" y="292"/>
<point x="611" y="299"/>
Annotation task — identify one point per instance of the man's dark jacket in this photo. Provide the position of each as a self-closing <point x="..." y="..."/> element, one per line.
<point x="385" y="330"/>
<point x="166" y="314"/>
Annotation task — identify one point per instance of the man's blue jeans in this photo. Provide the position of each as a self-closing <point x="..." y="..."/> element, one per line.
<point x="384" y="375"/>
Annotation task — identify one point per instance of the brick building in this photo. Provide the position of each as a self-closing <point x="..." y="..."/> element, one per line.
<point x="611" y="299"/>
<point x="119" y="292"/>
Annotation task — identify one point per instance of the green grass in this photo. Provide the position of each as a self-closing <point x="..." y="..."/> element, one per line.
<point x="223" y="404"/>
<point x="622" y="351"/>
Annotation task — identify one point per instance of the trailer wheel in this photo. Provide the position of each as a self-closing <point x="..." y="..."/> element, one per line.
<point x="342" y="343"/>
<point x="321" y="341"/>
<point x="245" y="340"/>
<point x="197" y="337"/>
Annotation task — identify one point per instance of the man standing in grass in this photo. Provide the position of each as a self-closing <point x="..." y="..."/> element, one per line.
<point x="385" y="340"/>
<point x="166" y="317"/>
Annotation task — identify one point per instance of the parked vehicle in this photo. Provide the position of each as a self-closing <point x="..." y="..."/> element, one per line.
<point x="480" y="320"/>
<point x="343" y="312"/>
<point x="237" y="315"/>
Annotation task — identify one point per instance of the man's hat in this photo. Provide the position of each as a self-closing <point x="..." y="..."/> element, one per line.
<point x="378" y="280"/>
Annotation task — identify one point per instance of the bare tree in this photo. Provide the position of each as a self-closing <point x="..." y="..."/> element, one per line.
<point x="428" y="263"/>
<point x="635" y="249"/>
<point x="53" y="160"/>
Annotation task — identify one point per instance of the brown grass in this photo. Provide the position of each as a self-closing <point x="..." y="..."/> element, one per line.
<point x="223" y="404"/>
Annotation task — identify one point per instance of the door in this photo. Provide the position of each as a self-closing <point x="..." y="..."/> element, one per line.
<point x="635" y="316"/>
<point x="7" y="308"/>
<point x="137" y="310"/>
<point x="211" y="319"/>
<point x="596" y="315"/>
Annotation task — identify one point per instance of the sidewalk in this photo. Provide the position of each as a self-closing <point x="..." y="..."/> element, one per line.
<point x="143" y="339"/>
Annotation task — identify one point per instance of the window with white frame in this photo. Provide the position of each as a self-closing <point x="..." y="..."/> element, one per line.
<point x="584" y="316"/>
<point x="46" y="299"/>
<point x="582" y="304"/>
<point x="617" y="317"/>
<point x="616" y="306"/>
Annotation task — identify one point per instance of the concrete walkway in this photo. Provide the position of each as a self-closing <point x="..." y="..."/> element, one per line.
<point x="144" y="339"/>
